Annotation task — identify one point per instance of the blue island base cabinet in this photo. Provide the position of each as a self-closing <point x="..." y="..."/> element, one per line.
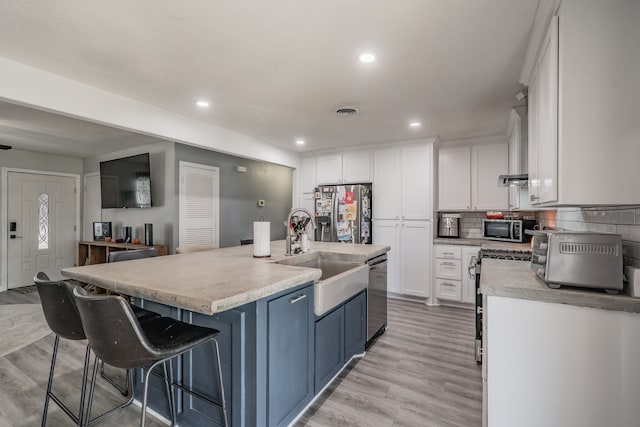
<point x="276" y="356"/>
<point x="339" y="335"/>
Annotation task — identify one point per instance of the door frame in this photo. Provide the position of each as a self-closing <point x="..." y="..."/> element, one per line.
<point x="4" y="242"/>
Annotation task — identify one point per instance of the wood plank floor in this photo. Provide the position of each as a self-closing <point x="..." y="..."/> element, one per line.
<point x="421" y="372"/>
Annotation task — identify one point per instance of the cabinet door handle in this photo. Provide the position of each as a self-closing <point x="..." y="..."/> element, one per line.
<point x="447" y="263"/>
<point x="534" y="198"/>
<point x="296" y="299"/>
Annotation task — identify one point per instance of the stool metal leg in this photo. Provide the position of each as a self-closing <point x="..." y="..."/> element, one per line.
<point x="168" y="383"/>
<point x="76" y="418"/>
<point x="94" y="377"/>
<point x="53" y="366"/>
<point x="224" y="403"/>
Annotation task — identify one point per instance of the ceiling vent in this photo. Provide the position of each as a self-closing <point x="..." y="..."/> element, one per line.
<point x="347" y="111"/>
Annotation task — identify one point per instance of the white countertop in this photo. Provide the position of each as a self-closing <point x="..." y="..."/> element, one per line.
<point x="514" y="279"/>
<point x="212" y="281"/>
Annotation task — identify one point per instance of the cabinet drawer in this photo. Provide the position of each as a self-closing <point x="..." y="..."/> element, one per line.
<point x="448" y="251"/>
<point x="448" y="269"/>
<point x="449" y="289"/>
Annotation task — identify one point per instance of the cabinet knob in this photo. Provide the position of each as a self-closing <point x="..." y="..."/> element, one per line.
<point x="467" y="207"/>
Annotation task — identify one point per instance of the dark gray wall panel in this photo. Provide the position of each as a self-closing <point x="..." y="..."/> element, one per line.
<point x="240" y="192"/>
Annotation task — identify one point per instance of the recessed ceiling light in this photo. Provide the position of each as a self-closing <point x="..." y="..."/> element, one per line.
<point x="300" y="141"/>
<point x="202" y="103"/>
<point x="415" y="124"/>
<point x="367" y="57"/>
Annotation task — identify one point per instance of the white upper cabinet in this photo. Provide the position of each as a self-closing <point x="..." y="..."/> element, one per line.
<point x="387" y="182"/>
<point x="329" y="169"/>
<point x="518" y="148"/>
<point x="307" y="175"/>
<point x="356" y="167"/>
<point x="487" y="163"/>
<point x="543" y="136"/>
<point x="347" y="168"/>
<point x="582" y="70"/>
<point x="468" y="177"/>
<point x="403" y="182"/>
<point x="454" y="178"/>
<point x="417" y="182"/>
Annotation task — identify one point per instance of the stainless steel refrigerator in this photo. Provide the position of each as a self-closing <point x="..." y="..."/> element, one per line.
<point x="343" y="213"/>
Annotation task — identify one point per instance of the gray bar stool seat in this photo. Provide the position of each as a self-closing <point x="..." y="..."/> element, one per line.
<point x="118" y="338"/>
<point x="61" y="314"/>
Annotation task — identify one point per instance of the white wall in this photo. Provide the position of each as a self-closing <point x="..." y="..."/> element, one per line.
<point x="163" y="194"/>
<point x="31" y="161"/>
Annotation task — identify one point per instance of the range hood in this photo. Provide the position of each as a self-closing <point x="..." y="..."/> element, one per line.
<point x="521" y="180"/>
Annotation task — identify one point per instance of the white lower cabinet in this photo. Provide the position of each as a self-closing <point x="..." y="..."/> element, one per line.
<point x="409" y="268"/>
<point x="452" y="281"/>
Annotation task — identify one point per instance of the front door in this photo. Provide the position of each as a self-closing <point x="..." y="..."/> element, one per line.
<point x="41" y="226"/>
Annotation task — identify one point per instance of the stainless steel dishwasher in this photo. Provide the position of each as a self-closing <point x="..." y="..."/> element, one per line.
<point x="377" y="298"/>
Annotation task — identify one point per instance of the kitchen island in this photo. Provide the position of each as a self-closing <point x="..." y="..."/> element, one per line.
<point x="557" y="357"/>
<point x="273" y="365"/>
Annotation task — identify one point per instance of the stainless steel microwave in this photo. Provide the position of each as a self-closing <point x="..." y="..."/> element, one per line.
<point x="507" y="230"/>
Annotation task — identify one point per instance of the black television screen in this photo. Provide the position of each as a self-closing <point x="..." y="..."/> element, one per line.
<point x="126" y="182"/>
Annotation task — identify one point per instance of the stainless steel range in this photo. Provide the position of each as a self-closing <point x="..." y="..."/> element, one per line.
<point x="475" y="268"/>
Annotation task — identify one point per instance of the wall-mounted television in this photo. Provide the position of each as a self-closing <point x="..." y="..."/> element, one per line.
<point x="126" y="182"/>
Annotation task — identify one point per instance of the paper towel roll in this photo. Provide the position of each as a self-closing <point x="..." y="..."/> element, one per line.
<point x="261" y="239"/>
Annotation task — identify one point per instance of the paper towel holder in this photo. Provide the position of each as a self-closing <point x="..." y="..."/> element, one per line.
<point x="261" y="238"/>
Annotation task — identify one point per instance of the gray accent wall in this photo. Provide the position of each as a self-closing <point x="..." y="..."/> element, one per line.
<point x="240" y="192"/>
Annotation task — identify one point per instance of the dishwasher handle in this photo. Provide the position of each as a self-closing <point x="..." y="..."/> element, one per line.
<point x="377" y="260"/>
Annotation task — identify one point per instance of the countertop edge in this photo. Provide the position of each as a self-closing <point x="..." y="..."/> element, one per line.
<point x="514" y="279"/>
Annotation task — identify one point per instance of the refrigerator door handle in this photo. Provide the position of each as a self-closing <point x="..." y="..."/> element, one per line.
<point x="334" y="221"/>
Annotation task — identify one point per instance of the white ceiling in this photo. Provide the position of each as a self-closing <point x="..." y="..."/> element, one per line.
<point x="277" y="70"/>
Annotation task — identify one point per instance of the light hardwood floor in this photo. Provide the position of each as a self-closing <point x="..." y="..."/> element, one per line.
<point x="421" y="372"/>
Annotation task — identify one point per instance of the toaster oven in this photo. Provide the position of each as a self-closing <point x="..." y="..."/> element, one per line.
<point x="578" y="259"/>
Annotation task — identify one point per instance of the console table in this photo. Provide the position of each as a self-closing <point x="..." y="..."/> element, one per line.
<point x="97" y="252"/>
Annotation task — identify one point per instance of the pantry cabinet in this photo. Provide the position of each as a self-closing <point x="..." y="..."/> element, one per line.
<point x="409" y="268"/>
<point x="403" y="182"/>
<point x="468" y="177"/>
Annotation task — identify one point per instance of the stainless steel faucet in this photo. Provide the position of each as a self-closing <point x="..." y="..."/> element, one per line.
<point x="293" y="232"/>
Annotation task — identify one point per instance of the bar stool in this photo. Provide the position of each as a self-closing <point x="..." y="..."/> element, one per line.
<point x="119" y="339"/>
<point x="118" y="256"/>
<point x="61" y="314"/>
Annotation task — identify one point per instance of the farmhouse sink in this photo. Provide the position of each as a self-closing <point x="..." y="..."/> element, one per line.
<point x="343" y="276"/>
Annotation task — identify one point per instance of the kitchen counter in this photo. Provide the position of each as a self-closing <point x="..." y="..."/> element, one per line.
<point x="212" y="281"/>
<point x="483" y="243"/>
<point x="514" y="279"/>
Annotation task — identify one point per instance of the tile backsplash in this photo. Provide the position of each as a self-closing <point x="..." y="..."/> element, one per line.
<point x="623" y="220"/>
